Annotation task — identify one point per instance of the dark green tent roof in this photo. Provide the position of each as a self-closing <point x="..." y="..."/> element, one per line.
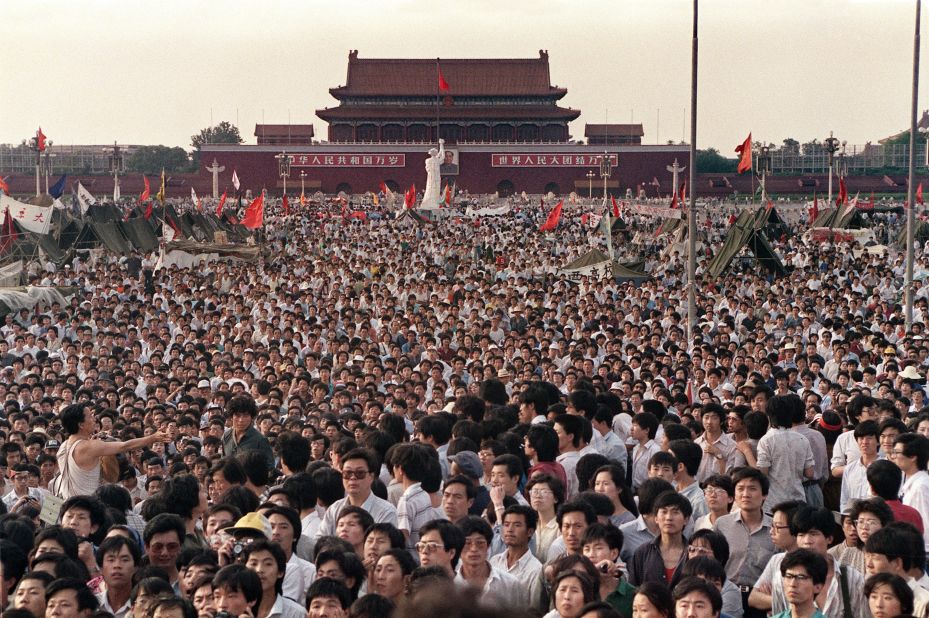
<point x="746" y="232"/>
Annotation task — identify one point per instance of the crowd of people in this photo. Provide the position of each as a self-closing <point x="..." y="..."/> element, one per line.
<point x="390" y="417"/>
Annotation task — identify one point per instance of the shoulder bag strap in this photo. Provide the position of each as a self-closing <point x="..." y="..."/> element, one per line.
<point x="846" y="598"/>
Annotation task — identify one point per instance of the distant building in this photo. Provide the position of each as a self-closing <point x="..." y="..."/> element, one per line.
<point x="616" y="134"/>
<point x="284" y="134"/>
<point x="489" y="100"/>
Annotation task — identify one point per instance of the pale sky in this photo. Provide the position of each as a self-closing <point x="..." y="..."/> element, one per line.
<point x="95" y="71"/>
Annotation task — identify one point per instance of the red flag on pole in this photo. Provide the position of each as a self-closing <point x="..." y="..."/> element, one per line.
<point x="286" y="205"/>
<point x="222" y="202"/>
<point x="443" y="84"/>
<point x="745" y="150"/>
<point x="255" y="213"/>
<point x="843" y="192"/>
<point x="553" y="217"/>
<point x="814" y="211"/>
<point x="40" y="140"/>
<point x="4" y="187"/>
<point x="147" y="192"/>
<point x="148" y="211"/>
<point x="409" y="200"/>
<point x="919" y="194"/>
<point x="448" y="195"/>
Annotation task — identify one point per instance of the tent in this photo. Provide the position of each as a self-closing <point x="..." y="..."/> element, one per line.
<point x="847" y="218"/>
<point x="745" y="233"/>
<point x="920" y="233"/>
<point x="409" y="216"/>
<point x="595" y="263"/>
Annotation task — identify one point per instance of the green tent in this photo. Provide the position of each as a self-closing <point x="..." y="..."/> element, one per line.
<point x="746" y="233"/>
<point x="846" y="218"/>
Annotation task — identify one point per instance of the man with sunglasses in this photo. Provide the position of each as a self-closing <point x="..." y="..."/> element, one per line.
<point x="359" y="468"/>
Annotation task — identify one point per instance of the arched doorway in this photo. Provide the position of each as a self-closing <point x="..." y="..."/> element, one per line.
<point x="343" y="187"/>
<point x="552" y="187"/>
<point x="505" y="188"/>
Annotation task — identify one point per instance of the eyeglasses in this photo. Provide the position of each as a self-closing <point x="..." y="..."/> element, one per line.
<point x="713" y="490"/>
<point x="355" y="474"/>
<point x="539" y="493"/>
<point x="428" y="548"/>
<point x="866" y="523"/>
<point x="796" y="577"/>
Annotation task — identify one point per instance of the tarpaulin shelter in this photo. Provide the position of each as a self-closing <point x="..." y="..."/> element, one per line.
<point x="746" y="233"/>
<point x="595" y="263"/>
<point x="846" y="218"/>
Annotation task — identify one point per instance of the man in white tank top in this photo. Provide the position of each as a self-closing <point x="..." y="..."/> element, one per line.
<point x="79" y="456"/>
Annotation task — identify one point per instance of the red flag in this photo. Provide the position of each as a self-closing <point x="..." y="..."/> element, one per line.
<point x="4" y="187"/>
<point x="814" y="211"/>
<point x="222" y="202"/>
<point x="448" y="195"/>
<point x="286" y="205"/>
<point x="443" y="85"/>
<point x="745" y="150"/>
<point x="359" y="214"/>
<point x="843" y="192"/>
<point x="147" y="192"/>
<point x="148" y="211"/>
<point x="255" y="213"/>
<point x="673" y="200"/>
<point x="302" y="199"/>
<point x="919" y="194"/>
<point x="40" y="140"/>
<point x="584" y="218"/>
<point x="409" y="200"/>
<point x="769" y="205"/>
<point x="7" y="232"/>
<point x="553" y="217"/>
<point x="174" y="226"/>
<point x="870" y="204"/>
<point x="683" y="192"/>
<point x="615" y="207"/>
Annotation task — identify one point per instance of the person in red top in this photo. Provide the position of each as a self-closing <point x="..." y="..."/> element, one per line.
<point x="885" y="480"/>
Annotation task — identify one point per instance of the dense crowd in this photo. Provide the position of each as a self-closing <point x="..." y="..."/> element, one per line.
<point x="393" y="417"/>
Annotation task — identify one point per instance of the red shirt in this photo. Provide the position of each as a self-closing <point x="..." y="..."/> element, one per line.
<point x="906" y="513"/>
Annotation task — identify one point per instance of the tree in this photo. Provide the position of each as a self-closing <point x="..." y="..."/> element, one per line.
<point x="710" y="161"/>
<point x="223" y="133"/>
<point x="152" y="159"/>
<point x="791" y="145"/>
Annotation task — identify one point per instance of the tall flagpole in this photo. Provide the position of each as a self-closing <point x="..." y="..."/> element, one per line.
<point x="692" y="214"/>
<point x="437" y="94"/>
<point x="910" y="189"/>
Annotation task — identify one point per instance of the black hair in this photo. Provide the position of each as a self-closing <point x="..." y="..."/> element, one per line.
<point x="742" y="474"/>
<point x="513" y="466"/>
<point x="115" y="496"/>
<point x="371" y="605"/>
<point x="348" y="562"/>
<point x="647" y="421"/>
<point x="648" y="491"/>
<point x="113" y="545"/>
<point x="231" y="469"/>
<point x="808" y="518"/>
<point x="72" y="417"/>
<point x="364" y="517"/>
<point x="292" y="516"/>
<point x="814" y="564"/>
<point x="553" y="483"/>
<point x="476" y="525"/>
<point x="874" y="506"/>
<point x="93" y="506"/>
<point x="172" y="602"/>
<point x="530" y="517"/>
<point x="412" y="459"/>
<point x="152" y="585"/>
<point x="672" y="499"/>
<point x="721" y="481"/>
<point x="608" y="533"/>
<point x="718" y="543"/>
<point x="867" y="428"/>
<point x="239" y="578"/>
<point x="897" y="584"/>
<point x="276" y="552"/>
<point x="85" y="598"/>
<point x="14" y="561"/>
<point x="544" y="441"/>
<point x="914" y="445"/>
<point x="659" y="595"/>
<point x="705" y="568"/>
<point x="587" y="584"/>
<point x="329" y="588"/>
<point x="302" y="485"/>
<point x="577" y="506"/>
<point x="165" y="522"/>
<point x="241" y="403"/>
<point x="403" y="558"/>
<point x="573" y="426"/>
<point x="885" y="479"/>
<point x="255" y="465"/>
<point x="397" y="540"/>
<point x="688" y="453"/>
<point x="452" y="537"/>
<point x="893" y="543"/>
<point x="241" y="497"/>
<point x="688" y="585"/>
<point x="780" y="411"/>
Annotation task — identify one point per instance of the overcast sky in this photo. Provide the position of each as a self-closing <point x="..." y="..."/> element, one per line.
<point x="96" y="71"/>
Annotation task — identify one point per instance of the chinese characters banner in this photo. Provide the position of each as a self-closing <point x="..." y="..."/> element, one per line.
<point x="549" y="160"/>
<point x="349" y="160"/>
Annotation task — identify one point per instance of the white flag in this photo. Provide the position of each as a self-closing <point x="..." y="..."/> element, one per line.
<point x="167" y="231"/>
<point x="84" y="198"/>
<point x="116" y="192"/>
<point x="193" y="196"/>
<point x="235" y="180"/>
<point x="33" y="218"/>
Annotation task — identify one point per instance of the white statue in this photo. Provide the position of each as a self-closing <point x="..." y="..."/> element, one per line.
<point x="432" y="194"/>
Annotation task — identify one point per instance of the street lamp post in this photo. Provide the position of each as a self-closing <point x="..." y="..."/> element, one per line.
<point x="116" y="166"/>
<point x="830" y="145"/>
<point x="606" y="169"/>
<point x="48" y="162"/>
<point x="302" y="180"/>
<point x="590" y="184"/>
<point x="764" y="168"/>
<point x="283" y="167"/>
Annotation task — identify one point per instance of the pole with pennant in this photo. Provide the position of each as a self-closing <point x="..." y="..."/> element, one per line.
<point x="438" y="81"/>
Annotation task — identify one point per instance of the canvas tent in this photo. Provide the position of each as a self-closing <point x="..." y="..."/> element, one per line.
<point x="596" y="263"/>
<point x="846" y="218"/>
<point x="746" y="233"/>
